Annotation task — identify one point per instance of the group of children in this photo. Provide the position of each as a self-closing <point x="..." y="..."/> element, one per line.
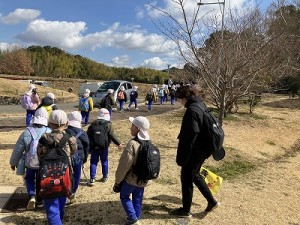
<point x="53" y="128"/>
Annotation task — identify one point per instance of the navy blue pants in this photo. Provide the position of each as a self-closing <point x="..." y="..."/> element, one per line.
<point x="95" y="155"/>
<point x="55" y="210"/>
<point x="29" y="115"/>
<point x="85" y="117"/>
<point x="133" y="208"/>
<point x="76" y="175"/>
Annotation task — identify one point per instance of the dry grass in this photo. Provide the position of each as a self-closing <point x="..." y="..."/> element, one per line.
<point x="14" y="88"/>
<point x="267" y="194"/>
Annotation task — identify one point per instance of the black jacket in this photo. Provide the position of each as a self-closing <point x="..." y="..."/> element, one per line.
<point x="189" y="151"/>
<point x="83" y="144"/>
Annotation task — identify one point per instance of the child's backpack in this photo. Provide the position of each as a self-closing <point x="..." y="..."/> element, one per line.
<point x="76" y="159"/>
<point x="172" y="93"/>
<point x="31" y="159"/>
<point x="212" y="133"/>
<point x="26" y="101"/>
<point x="161" y="93"/>
<point x="149" y="96"/>
<point x="55" y="171"/>
<point x="106" y="102"/>
<point x="147" y="164"/>
<point x="98" y="135"/>
<point x="84" y="104"/>
<point x="121" y="95"/>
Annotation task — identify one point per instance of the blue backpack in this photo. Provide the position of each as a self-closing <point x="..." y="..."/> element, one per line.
<point x="84" y="104"/>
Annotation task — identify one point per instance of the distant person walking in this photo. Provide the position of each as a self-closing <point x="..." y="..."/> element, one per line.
<point x="86" y="105"/>
<point x="30" y="102"/>
<point x="133" y="98"/>
<point x="150" y="98"/>
<point x="108" y="101"/>
<point x="48" y="103"/>
<point x="122" y="98"/>
<point x="190" y="155"/>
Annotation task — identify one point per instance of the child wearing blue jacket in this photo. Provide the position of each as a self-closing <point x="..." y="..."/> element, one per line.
<point x="81" y="155"/>
<point x="39" y="126"/>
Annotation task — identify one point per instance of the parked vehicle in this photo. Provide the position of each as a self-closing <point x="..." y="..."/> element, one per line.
<point x="113" y="84"/>
<point x="92" y="86"/>
<point x="41" y="83"/>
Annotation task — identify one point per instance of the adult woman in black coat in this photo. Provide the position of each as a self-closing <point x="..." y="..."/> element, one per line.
<point x="190" y="152"/>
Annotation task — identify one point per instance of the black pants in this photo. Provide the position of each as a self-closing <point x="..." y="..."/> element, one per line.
<point x="190" y="175"/>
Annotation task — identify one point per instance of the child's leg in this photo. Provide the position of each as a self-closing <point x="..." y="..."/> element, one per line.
<point x="135" y="103"/>
<point x="149" y="105"/>
<point x="29" y="115"/>
<point x="126" y="190"/>
<point x="76" y="176"/>
<point x="121" y="104"/>
<point x="62" y="204"/>
<point x="94" y="162"/>
<point x="161" y="100"/>
<point x="87" y="116"/>
<point x="83" y="116"/>
<point x="53" y="211"/>
<point x="104" y="162"/>
<point x="30" y="182"/>
<point x="137" y="199"/>
<point x="130" y="103"/>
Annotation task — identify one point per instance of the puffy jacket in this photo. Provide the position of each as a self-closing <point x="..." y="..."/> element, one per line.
<point x="23" y="143"/>
<point x="125" y="166"/>
<point x="83" y="143"/>
<point x="189" y="151"/>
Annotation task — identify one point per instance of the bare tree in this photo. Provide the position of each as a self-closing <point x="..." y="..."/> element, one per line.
<point x="229" y="61"/>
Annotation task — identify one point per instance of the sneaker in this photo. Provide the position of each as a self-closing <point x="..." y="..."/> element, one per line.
<point x="104" y="179"/>
<point x="136" y="108"/>
<point x="39" y="204"/>
<point x="72" y="198"/>
<point x="31" y="203"/>
<point x="181" y="213"/>
<point x="211" y="206"/>
<point x="135" y="222"/>
<point x="128" y="108"/>
<point x="92" y="182"/>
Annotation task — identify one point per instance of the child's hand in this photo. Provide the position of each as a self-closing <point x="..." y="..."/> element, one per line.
<point x="116" y="188"/>
<point x="120" y="147"/>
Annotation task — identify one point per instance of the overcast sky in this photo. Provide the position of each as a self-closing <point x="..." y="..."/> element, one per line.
<point x="113" y="32"/>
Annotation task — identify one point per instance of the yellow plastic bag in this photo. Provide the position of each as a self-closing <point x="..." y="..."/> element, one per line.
<point x="213" y="181"/>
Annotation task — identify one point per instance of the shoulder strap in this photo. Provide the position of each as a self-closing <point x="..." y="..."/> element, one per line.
<point x="32" y="132"/>
<point x="78" y="134"/>
<point x="64" y="140"/>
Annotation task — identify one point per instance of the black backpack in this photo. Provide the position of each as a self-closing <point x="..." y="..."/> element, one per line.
<point x="98" y="135"/>
<point x="106" y="102"/>
<point x="147" y="164"/>
<point x="212" y="134"/>
<point x="55" y="170"/>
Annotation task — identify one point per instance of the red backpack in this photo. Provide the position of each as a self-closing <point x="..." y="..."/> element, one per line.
<point x="55" y="171"/>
